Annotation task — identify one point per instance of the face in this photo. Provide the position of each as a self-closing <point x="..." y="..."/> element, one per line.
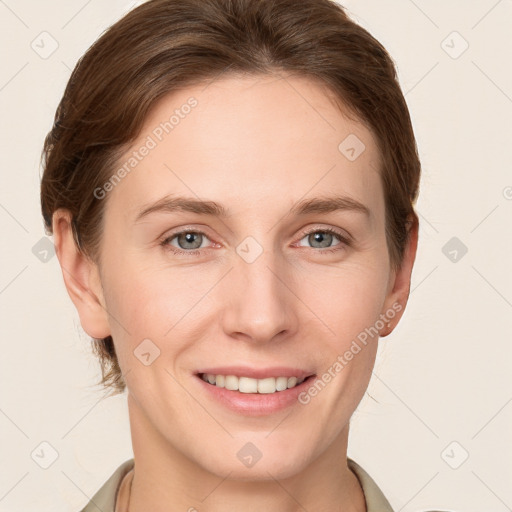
<point x="247" y="240"/>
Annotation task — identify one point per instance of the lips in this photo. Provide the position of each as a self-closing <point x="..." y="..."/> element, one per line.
<point x="255" y="392"/>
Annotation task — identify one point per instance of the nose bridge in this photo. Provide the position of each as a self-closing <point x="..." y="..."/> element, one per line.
<point x="260" y="306"/>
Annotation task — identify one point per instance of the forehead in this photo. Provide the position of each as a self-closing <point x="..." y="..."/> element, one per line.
<point x="249" y="140"/>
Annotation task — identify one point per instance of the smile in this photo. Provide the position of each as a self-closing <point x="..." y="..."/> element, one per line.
<point x="249" y="385"/>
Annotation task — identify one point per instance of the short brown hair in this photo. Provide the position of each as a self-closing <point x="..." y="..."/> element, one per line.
<point x="164" y="45"/>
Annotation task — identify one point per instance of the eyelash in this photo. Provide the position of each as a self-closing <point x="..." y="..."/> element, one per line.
<point x="344" y="241"/>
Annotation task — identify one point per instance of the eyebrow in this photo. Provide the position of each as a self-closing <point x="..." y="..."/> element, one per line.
<point x="323" y="205"/>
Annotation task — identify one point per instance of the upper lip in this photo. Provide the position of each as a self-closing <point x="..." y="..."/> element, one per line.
<point x="257" y="373"/>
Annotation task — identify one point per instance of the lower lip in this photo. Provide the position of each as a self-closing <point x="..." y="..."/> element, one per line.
<point x="255" y="404"/>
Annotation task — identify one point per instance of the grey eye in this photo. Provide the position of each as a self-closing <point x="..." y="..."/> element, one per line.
<point x="189" y="240"/>
<point x="321" y="239"/>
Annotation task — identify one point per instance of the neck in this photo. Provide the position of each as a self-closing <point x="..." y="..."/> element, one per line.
<point x="165" y="479"/>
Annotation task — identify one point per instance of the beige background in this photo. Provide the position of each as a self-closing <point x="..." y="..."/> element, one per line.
<point x="442" y="377"/>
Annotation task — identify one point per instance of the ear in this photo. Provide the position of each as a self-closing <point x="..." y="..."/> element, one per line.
<point x="400" y="281"/>
<point x="81" y="277"/>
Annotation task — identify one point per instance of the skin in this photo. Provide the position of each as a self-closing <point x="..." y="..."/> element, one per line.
<point x="257" y="145"/>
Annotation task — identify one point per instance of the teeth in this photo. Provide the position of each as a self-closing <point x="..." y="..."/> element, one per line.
<point x="281" y="383"/>
<point x="248" y="385"/>
<point x="231" y="382"/>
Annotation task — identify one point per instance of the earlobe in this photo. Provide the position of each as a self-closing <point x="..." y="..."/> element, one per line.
<point x="398" y="296"/>
<point x="81" y="278"/>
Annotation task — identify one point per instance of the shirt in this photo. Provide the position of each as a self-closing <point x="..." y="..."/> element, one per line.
<point x="113" y="495"/>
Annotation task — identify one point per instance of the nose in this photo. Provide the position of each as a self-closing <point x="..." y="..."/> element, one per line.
<point x="260" y="305"/>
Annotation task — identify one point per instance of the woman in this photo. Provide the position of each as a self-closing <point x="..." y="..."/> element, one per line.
<point x="231" y="186"/>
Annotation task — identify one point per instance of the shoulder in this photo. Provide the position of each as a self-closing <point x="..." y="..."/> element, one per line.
<point x="375" y="499"/>
<point x="105" y="497"/>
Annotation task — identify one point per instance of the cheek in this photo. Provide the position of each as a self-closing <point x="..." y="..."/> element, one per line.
<point x="347" y="301"/>
<point x="152" y="304"/>
<point x="155" y="301"/>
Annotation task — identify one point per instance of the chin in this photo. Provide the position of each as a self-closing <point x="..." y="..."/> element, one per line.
<point x="261" y="471"/>
<point x="258" y="460"/>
